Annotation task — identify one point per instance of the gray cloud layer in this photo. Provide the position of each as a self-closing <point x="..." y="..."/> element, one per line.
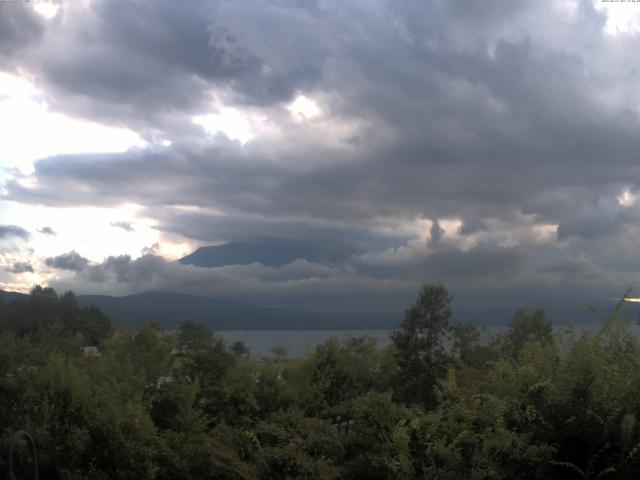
<point x="7" y="231"/>
<point x="518" y="120"/>
<point x="126" y="226"/>
<point x="20" y="267"/>
<point x="68" y="261"/>
<point x="20" y="28"/>
<point x="47" y="231"/>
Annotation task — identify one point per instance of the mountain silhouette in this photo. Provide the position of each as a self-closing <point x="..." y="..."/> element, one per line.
<point x="171" y="309"/>
<point x="272" y="252"/>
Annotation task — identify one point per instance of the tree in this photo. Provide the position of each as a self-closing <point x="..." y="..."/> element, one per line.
<point x="420" y="351"/>
<point x="240" y="348"/>
<point x="294" y="446"/>
<point x="86" y="421"/>
<point x="45" y="316"/>
<point x="525" y="327"/>
<point x="376" y="441"/>
<point x="339" y="371"/>
<point x="207" y="362"/>
<point x="280" y="352"/>
<point x="194" y="336"/>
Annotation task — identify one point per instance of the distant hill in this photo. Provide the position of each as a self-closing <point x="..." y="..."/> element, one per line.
<point x="267" y="251"/>
<point x="7" y="297"/>
<point x="171" y="309"/>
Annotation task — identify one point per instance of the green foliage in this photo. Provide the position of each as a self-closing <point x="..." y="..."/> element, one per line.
<point x="420" y="351"/>
<point x="376" y="443"/>
<point x="470" y="437"/>
<point x="193" y="336"/>
<point x="525" y="327"/>
<point x="45" y="316"/>
<point x="337" y="372"/>
<point x="294" y="446"/>
<point x="83" y="426"/>
<point x="208" y="455"/>
<point x="442" y="402"/>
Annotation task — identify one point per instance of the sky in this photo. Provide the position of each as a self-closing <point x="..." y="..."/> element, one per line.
<point x="491" y="146"/>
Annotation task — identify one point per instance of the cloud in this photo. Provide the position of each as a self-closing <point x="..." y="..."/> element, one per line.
<point x="47" y="231"/>
<point x="122" y="274"/>
<point x="482" y="262"/>
<point x="68" y="261"/>
<point x="156" y="63"/>
<point x="7" y="231"/>
<point x="599" y="218"/>
<point x="491" y="131"/>
<point x="436" y="232"/>
<point x="126" y="226"/>
<point x="446" y="263"/>
<point x="20" y="28"/>
<point x="471" y="225"/>
<point x="502" y="123"/>
<point x="573" y="267"/>
<point x="21" y="267"/>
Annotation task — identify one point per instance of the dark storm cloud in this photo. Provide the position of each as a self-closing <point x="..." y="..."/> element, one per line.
<point x="436" y="232"/>
<point x="450" y="264"/>
<point x="20" y="28"/>
<point x="21" y="267"/>
<point x="338" y="242"/>
<point x="599" y="218"/>
<point x="589" y="227"/>
<point x="502" y="116"/>
<point x="513" y="147"/>
<point x="7" y="231"/>
<point x="151" y="64"/>
<point x="68" y="261"/>
<point x="471" y="225"/>
<point x="483" y="261"/>
<point x="136" y="63"/>
<point x="572" y="267"/>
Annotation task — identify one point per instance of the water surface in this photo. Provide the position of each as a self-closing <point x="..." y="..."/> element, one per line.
<point x="297" y="343"/>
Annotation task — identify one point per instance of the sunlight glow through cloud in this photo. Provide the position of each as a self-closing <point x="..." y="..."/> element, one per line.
<point x="622" y="17"/>
<point x="47" y="9"/>
<point x="304" y="108"/>
<point x="95" y="240"/>
<point x="230" y="122"/>
<point x="31" y="131"/>
<point x="626" y="198"/>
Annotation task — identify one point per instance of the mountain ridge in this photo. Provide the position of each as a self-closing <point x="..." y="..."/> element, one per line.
<point x="270" y="252"/>
<point x="171" y="309"/>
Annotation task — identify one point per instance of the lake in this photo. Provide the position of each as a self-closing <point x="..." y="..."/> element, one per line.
<point x="299" y="342"/>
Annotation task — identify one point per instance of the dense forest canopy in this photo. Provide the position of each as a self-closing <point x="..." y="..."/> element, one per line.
<point x="443" y="401"/>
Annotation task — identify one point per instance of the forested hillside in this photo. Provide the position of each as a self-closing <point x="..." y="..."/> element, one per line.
<point x="442" y="402"/>
<point x="171" y="309"/>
